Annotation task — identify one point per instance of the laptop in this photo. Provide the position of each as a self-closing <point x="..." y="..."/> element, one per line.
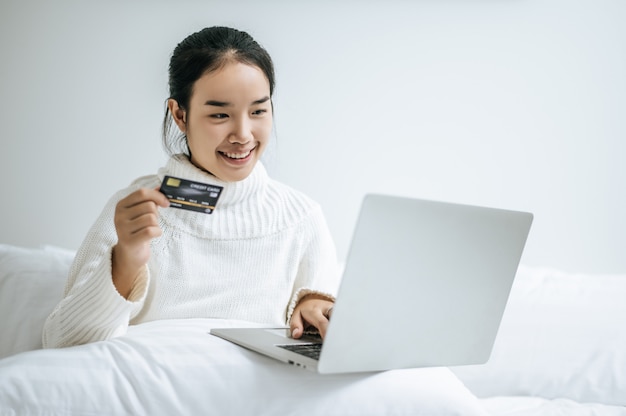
<point x="425" y="284"/>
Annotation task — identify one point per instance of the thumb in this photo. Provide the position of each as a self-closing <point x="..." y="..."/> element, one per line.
<point x="296" y="325"/>
<point x="162" y="199"/>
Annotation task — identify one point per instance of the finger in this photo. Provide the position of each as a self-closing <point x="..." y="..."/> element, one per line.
<point x="136" y="211"/>
<point x="137" y="204"/>
<point x="163" y="201"/>
<point x="316" y="317"/>
<point x="297" y="326"/>
<point x="142" y="236"/>
<point x="322" y="326"/>
<point x="329" y="312"/>
<point x="144" y="195"/>
<point x="145" y="224"/>
<point x="137" y="217"/>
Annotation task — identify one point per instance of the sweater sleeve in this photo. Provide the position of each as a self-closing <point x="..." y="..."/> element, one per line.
<point x="92" y="309"/>
<point x="318" y="272"/>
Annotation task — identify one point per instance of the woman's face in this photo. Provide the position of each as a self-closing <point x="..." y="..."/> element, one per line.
<point x="229" y="120"/>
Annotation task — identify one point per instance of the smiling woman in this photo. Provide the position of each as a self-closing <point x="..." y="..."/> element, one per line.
<point x="143" y="260"/>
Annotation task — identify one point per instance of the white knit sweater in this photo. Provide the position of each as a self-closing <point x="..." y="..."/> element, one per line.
<point x="263" y="248"/>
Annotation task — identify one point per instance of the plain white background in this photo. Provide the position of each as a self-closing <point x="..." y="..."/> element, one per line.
<point x="514" y="104"/>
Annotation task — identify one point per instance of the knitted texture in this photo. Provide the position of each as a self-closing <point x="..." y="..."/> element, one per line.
<point x="263" y="248"/>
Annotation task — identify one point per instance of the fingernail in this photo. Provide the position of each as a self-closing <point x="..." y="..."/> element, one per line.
<point x="295" y="332"/>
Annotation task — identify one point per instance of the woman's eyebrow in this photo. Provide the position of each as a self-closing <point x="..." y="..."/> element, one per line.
<point x="261" y="100"/>
<point x="216" y="103"/>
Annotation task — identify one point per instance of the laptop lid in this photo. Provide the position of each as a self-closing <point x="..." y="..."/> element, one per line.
<point x="425" y="284"/>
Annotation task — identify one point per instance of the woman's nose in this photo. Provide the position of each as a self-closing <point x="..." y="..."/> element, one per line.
<point x="242" y="132"/>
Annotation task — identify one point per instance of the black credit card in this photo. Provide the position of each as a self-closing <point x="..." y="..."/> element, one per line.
<point x="190" y="195"/>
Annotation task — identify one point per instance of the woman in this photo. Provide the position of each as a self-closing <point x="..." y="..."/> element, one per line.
<point x="264" y="254"/>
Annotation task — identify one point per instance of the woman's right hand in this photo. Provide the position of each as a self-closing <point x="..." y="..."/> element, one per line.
<point x="136" y="224"/>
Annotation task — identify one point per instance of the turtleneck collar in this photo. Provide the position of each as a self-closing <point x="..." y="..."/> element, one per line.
<point x="256" y="206"/>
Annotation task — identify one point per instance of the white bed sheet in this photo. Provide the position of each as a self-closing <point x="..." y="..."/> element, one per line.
<point x="538" y="406"/>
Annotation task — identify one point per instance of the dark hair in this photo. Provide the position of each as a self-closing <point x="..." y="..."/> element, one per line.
<point x="202" y="52"/>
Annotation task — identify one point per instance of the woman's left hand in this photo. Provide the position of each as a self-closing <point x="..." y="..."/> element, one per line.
<point x="312" y="310"/>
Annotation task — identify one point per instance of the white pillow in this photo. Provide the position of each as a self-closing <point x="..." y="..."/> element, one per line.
<point x="175" y="367"/>
<point x="562" y="335"/>
<point x="31" y="284"/>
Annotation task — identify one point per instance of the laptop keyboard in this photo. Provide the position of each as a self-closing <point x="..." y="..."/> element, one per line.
<point x="308" y="350"/>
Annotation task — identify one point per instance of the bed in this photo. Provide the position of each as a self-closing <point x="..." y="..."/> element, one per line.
<point x="561" y="350"/>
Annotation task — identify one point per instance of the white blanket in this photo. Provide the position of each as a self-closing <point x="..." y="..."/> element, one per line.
<point x="176" y="368"/>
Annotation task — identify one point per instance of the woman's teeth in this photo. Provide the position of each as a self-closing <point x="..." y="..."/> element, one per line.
<point x="237" y="155"/>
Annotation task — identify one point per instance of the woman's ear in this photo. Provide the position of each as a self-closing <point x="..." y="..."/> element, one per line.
<point x="178" y="114"/>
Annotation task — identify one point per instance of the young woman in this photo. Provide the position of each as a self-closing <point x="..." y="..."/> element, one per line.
<point x="265" y="254"/>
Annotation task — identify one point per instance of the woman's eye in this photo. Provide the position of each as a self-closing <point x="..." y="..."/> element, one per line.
<point x="219" y="116"/>
<point x="259" y="112"/>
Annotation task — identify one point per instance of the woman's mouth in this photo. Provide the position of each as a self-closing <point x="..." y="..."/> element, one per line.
<point x="237" y="157"/>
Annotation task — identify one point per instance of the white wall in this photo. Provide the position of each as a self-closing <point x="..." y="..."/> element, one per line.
<point x="509" y="103"/>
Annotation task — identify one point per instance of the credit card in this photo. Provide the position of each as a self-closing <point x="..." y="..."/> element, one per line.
<point x="190" y="195"/>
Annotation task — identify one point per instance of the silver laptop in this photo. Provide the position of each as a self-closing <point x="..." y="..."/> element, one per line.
<point x="425" y="284"/>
